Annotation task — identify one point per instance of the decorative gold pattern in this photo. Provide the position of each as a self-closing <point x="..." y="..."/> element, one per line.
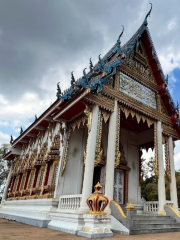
<point x="87" y="112"/>
<point x="41" y="176"/>
<point x="159" y="107"/>
<point x="54" y="173"/>
<point x="156" y="164"/>
<point x="40" y="137"/>
<point x="167" y="160"/>
<point x="128" y="111"/>
<point x="102" y="101"/>
<point x="31" y="179"/>
<point x="99" y="150"/>
<point x="169" y="131"/>
<point x="51" y="128"/>
<point x="137" y="63"/>
<point x="105" y="115"/>
<point x="117" y="152"/>
<point x="81" y="119"/>
<point x="145" y="110"/>
<point x="53" y="153"/>
<point x="23" y="181"/>
<point x="31" y="160"/>
<point x="40" y="160"/>
<point x="65" y="158"/>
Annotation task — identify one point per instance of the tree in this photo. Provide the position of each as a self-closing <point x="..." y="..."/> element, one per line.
<point x="149" y="186"/>
<point x="3" y="168"/>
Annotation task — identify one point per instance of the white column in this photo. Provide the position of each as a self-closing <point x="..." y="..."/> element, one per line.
<point x="7" y="184"/>
<point x="173" y="189"/>
<point x="90" y="156"/>
<point x="109" y="186"/>
<point x="161" y="180"/>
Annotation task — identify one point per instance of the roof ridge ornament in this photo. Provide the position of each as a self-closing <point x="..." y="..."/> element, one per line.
<point x="21" y="131"/>
<point x="72" y="79"/>
<point x="90" y="65"/>
<point x="11" y="140"/>
<point x="100" y="63"/>
<point x="58" y="90"/>
<point x="119" y="38"/>
<point x="177" y="107"/>
<point x="148" y="15"/>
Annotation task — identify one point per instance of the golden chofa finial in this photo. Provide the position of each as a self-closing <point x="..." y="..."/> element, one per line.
<point x="97" y="202"/>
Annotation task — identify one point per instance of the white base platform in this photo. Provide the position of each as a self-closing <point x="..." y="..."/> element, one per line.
<point x="45" y="213"/>
<point x="34" y="211"/>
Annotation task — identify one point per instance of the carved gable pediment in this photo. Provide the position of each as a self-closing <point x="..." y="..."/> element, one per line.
<point x="138" y="62"/>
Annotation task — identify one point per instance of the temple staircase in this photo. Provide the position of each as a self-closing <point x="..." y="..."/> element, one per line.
<point x="145" y="223"/>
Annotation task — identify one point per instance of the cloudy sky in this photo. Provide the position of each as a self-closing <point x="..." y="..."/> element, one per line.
<point x="42" y="41"/>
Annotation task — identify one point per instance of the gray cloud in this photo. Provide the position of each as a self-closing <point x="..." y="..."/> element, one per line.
<point x="38" y="35"/>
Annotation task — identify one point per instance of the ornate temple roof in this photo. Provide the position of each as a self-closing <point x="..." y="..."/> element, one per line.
<point x="101" y="73"/>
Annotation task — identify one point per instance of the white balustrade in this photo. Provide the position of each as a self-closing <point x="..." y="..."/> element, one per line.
<point x="152" y="206"/>
<point x="69" y="203"/>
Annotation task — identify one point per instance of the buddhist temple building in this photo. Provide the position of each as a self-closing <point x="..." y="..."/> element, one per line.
<point x="95" y="132"/>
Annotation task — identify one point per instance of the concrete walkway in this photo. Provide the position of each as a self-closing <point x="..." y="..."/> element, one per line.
<point x="19" y="231"/>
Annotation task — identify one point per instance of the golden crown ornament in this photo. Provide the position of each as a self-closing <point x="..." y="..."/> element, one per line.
<point x="97" y="202"/>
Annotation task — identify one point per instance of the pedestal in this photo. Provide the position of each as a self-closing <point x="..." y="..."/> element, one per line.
<point x="96" y="226"/>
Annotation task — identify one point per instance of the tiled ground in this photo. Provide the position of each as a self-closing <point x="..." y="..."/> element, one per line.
<point x="18" y="231"/>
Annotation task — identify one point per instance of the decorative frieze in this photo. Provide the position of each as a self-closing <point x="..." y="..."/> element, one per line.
<point x="100" y="100"/>
<point x="128" y="111"/>
<point x="134" y="104"/>
<point x="136" y="90"/>
<point x="170" y="131"/>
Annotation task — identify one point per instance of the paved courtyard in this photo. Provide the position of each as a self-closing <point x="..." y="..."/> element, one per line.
<point x="18" y="231"/>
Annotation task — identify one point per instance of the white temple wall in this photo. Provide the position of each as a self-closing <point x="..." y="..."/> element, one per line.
<point x="71" y="182"/>
<point x="129" y="141"/>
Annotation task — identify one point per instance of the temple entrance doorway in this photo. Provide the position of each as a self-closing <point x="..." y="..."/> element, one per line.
<point x="118" y="195"/>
